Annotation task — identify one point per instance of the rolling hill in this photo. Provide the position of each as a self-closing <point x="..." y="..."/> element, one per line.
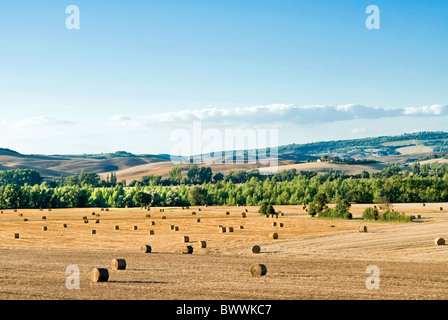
<point x="380" y="151"/>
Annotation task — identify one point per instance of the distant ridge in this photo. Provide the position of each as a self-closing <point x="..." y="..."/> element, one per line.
<point x="382" y="150"/>
<point x="6" y="151"/>
<point x="437" y="139"/>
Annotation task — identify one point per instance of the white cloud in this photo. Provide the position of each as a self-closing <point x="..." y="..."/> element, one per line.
<point x="435" y="110"/>
<point x="41" y="121"/>
<point x="120" y="117"/>
<point x="279" y="114"/>
<point x="359" y="130"/>
<point x="122" y="120"/>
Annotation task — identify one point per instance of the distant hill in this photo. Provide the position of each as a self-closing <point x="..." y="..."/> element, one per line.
<point x="376" y="147"/>
<point x="384" y="150"/>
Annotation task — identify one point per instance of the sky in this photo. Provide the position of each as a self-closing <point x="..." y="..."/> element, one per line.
<point x="142" y="76"/>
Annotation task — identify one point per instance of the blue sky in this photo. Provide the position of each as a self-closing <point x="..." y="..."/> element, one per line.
<point x="136" y="71"/>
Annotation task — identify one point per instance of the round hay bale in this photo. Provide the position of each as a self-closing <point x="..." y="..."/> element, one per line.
<point x="185" y="239"/>
<point x="99" y="275"/>
<point x="102" y="209"/>
<point x="266" y="216"/>
<point x="258" y="270"/>
<point x="64" y="225"/>
<point x="134" y="227"/>
<point x="201" y="244"/>
<point x="86" y="221"/>
<point x="198" y="220"/>
<point x="424" y="204"/>
<point x="172" y="227"/>
<point x="93" y="213"/>
<point x="273" y="236"/>
<point x="20" y="214"/>
<point x="93" y="231"/>
<point x="98" y="215"/>
<point x="419" y="216"/>
<point x="84" y="218"/>
<point x="107" y="209"/>
<point x="281" y="224"/>
<point x="441" y="209"/>
<point x="163" y="217"/>
<point x="118" y="264"/>
<point x="241" y="227"/>
<point x="44" y="228"/>
<point x="16" y="236"/>
<point x="151" y="232"/>
<point x="145" y="248"/>
<point x="97" y="221"/>
<point x="439" y="241"/>
<point x="282" y="214"/>
<point x="188" y="250"/>
<point x="362" y="229"/>
<point x="117" y="227"/>
<point x="243" y="215"/>
<point x="148" y="216"/>
<point x="193" y="213"/>
<point x="227" y="213"/>
<point x="15" y="210"/>
<point x="153" y="223"/>
<point x="25" y="219"/>
<point x="256" y="249"/>
<point x="230" y="229"/>
<point x="222" y="230"/>
<point x="199" y="209"/>
<point x="245" y="210"/>
<point x="176" y="228"/>
<point x="49" y="209"/>
<point x="44" y="218"/>
<point x="274" y="224"/>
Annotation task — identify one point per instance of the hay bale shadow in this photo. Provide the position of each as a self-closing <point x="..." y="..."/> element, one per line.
<point x="271" y="251"/>
<point x="138" y="282"/>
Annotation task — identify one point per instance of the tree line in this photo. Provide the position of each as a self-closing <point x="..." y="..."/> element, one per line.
<point x="237" y="188"/>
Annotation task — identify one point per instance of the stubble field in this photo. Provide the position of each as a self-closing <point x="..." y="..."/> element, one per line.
<point x="311" y="259"/>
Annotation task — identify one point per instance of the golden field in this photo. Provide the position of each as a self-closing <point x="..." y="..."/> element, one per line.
<point x="311" y="259"/>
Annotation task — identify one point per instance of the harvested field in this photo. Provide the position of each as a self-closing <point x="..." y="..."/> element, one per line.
<point x="311" y="259"/>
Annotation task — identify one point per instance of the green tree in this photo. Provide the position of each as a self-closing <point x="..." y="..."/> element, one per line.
<point x="218" y="177"/>
<point x="370" y="213"/>
<point x="199" y="196"/>
<point x="142" y="199"/>
<point x="175" y="175"/>
<point x="192" y="174"/>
